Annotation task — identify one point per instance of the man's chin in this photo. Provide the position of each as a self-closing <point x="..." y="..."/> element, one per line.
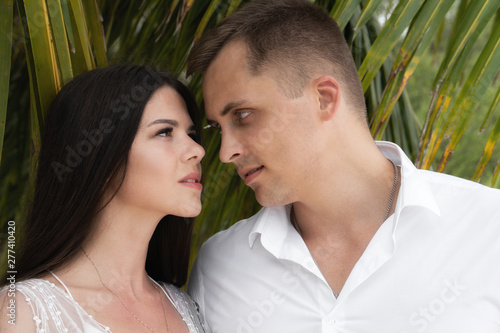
<point x="268" y="199"/>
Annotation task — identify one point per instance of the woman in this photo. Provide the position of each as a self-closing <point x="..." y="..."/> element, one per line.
<point x="120" y="152"/>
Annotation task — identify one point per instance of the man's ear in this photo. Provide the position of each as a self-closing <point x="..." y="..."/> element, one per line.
<point x="328" y="93"/>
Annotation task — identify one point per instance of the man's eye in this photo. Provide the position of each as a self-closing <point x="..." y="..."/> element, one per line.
<point x="213" y="126"/>
<point x="240" y="115"/>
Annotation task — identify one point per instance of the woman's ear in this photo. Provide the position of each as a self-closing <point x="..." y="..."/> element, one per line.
<point x="328" y="92"/>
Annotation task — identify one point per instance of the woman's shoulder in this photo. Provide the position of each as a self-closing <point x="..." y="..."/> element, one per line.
<point x="42" y="306"/>
<point x="175" y="291"/>
<point x="41" y="290"/>
<point x="186" y="307"/>
<point x="180" y="299"/>
<point x="30" y="291"/>
<point x="17" y="310"/>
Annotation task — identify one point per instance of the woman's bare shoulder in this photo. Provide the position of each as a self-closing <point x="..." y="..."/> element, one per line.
<point x="16" y="314"/>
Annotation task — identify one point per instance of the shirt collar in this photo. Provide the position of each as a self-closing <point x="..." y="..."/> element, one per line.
<point x="414" y="190"/>
<point x="273" y="224"/>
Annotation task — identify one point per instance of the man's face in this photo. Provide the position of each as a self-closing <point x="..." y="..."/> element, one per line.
<point x="270" y="138"/>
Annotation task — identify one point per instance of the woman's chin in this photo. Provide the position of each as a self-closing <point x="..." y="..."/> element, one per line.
<point x="190" y="211"/>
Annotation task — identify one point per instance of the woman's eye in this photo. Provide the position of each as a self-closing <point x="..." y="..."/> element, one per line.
<point x="165" y="132"/>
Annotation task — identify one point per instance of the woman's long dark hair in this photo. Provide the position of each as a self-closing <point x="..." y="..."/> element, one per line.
<point x="89" y="131"/>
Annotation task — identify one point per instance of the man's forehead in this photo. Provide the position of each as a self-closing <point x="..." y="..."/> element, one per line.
<point x="230" y="63"/>
<point x="225" y="73"/>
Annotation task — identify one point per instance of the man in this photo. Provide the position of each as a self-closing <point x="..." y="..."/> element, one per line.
<point x="353" y="238"/>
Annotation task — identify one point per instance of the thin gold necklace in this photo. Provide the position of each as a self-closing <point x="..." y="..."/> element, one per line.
<point x="124" y="305"/>
<point x="162" y="306"/>
<point x="393" y="190"/>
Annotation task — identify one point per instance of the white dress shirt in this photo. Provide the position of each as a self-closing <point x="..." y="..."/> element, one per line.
<point x="433" y="266"/>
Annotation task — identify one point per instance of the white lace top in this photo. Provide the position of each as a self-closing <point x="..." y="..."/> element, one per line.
<point x="55" y="311"/>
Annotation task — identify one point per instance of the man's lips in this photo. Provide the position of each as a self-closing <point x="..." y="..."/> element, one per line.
<point x="192" y="180"/>
<point x="249" y="174"/>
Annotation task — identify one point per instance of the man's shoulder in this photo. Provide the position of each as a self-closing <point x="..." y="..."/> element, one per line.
<point x="462" y="195"/>
<point x="452" y="183"/>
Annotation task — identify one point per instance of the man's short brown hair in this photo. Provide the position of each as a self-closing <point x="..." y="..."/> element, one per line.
<point x="294" y="39"/>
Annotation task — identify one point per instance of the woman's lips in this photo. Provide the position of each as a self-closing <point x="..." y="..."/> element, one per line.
<point x="192" y="180"/>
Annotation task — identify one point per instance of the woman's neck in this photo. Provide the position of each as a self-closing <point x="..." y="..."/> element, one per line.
<point x="115" y="253"/>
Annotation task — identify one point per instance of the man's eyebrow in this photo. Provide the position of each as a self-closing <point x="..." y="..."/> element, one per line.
<point x="164" y="121"/>
<point x="231" y="105"/>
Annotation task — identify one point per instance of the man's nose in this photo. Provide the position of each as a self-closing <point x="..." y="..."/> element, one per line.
<point x="230" y="148"/>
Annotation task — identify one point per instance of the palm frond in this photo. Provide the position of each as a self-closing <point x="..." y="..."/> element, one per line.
<point x="6" y="22"/>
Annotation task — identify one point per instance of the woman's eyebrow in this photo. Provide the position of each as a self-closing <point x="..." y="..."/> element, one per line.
<point x="164" y="121"/>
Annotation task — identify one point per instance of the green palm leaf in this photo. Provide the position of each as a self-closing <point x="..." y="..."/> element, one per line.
<point x="473" y="90"/>
<point x="6" y="14"/>
<point x="343" y="10"/>
<point x="418" y="38"/>
<point x="490" y="144"/>
<point x="389" y="36"/>
<point x="470" y="22"/>
<point x="368" y="11"/>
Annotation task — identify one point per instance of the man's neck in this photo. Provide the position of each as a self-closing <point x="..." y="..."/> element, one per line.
<point x="351" y="207"/>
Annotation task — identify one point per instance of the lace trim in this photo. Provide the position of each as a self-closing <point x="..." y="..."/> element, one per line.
<point x="54" y="310"/>
<point x="49" y="313"/>
<point x="186" y="307"/>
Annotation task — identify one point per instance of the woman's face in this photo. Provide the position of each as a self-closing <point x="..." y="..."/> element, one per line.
<point x="164" y="171"/>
